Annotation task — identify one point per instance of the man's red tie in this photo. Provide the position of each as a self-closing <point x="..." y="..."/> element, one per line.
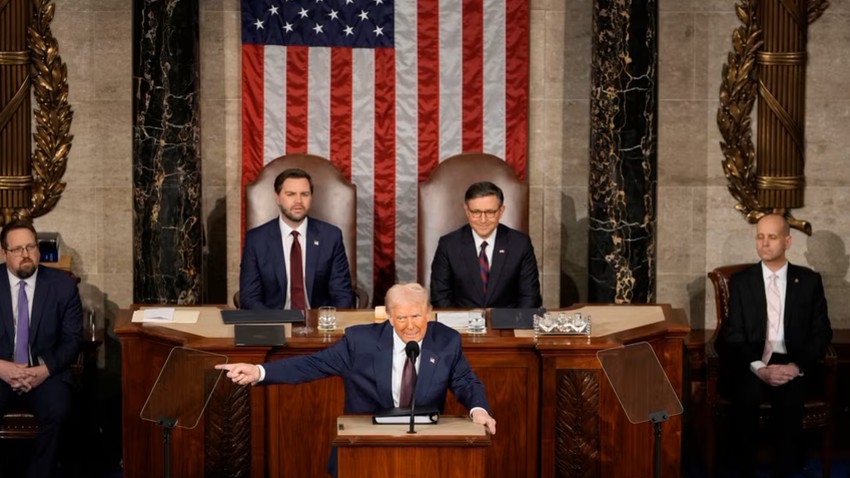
<point x="296" y="275"/>
<point x="408" y="384"/>
<point x="484" y="265"/>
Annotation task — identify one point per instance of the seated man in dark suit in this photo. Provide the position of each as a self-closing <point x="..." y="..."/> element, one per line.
<point x="294" y="261"/>
<point x="371" y="358"/>
<point x="776" y="331"/>
<point x="484" y="263"/>
<point x="41" y="333"/>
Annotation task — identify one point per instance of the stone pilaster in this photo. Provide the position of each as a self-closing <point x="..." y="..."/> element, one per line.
<point x="623" y="150"/>
<point x="167" y="232"/>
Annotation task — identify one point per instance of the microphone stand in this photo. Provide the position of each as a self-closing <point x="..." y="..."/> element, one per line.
<point x="412" y="351"/>
<point x="413" y="404"/>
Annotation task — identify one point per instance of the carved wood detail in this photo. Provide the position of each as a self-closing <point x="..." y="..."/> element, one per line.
<point x="228" y="432"/>
<point x="577" y="423"/>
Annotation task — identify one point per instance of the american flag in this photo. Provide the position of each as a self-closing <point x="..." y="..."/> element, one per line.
<point x="385" y="89"/>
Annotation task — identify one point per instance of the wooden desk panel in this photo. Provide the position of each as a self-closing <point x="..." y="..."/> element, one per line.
<point x="453" y="448"/>
<point x="590" y="434"/>
<point x="510" y="373"/>
<point x="301" y="421"/>
<point x="229" y="437"/>
<point x="555" y="412"/>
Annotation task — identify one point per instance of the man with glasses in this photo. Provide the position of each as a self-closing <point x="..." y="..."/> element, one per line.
<point x="41" y="329"/>
<point x="484" y="263"/>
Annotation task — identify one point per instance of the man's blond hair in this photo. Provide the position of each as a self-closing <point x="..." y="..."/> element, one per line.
<point x="404" y="292"/>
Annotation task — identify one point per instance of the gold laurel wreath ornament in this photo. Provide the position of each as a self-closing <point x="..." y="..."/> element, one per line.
<point x="53" y="114"/>
<point x="738" y="92"/>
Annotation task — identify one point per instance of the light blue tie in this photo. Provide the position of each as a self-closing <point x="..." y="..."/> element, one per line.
<point x="22" y="343"/>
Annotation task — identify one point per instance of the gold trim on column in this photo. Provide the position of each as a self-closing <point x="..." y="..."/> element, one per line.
<point x="14" y="57"/>
<point x="15" y="182"/>
<point x="781" y="182"/>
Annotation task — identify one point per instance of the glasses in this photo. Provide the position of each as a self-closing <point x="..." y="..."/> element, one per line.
<point x="19" y="250"/>
<point x="489" y="214"/>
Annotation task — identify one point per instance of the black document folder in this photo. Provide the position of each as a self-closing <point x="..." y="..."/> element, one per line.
<point x="259" y="334"/>
<point x="273" y="316"/>
<point x="514" y="318"/>
<point x="426" y="416"/>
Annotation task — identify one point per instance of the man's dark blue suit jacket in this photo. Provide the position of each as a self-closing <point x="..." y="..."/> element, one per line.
<point x="56" y="322"/>
<point x="456" y="277"/>
<point x="363" y="358"/>
<point x="262" y="277"/>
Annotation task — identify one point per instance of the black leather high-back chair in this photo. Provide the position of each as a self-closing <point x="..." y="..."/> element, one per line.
<point x="818" y="412"/>
<point x="441" y="201"/>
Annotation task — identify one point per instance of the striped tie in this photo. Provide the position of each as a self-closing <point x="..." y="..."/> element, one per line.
<point x="484" y="265"/>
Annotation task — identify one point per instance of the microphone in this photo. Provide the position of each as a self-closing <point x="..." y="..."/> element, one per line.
<point x="412" y="351"/>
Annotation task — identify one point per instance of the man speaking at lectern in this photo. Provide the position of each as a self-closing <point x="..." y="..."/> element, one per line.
<point x="370" y="358"/>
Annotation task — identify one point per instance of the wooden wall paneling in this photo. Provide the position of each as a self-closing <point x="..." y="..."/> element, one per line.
<point x="509" y="369"/>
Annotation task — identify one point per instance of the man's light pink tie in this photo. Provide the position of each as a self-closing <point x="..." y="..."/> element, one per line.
<point x="774" y="306"/>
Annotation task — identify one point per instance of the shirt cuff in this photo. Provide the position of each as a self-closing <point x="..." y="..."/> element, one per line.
<point x="756" y="366"/>
<point x="262" y="373"/>
<point x="477" y="408"/>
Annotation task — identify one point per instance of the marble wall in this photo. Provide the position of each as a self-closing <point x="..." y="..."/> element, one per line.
<point x="698" y="227"/>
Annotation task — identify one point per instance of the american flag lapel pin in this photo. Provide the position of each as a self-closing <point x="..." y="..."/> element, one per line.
<point x="433" y="360"/>
<point x="501" y="251"/>
<point x="315" y="243"/>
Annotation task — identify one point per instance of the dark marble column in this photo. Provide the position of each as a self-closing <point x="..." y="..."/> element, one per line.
<point x="621" y="250"/>
<point x="167" y="232"/>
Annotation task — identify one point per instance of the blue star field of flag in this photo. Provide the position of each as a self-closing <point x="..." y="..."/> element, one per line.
<point x="351" y="23"/>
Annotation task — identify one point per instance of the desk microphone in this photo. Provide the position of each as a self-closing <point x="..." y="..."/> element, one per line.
<point x="412" y="351"/>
